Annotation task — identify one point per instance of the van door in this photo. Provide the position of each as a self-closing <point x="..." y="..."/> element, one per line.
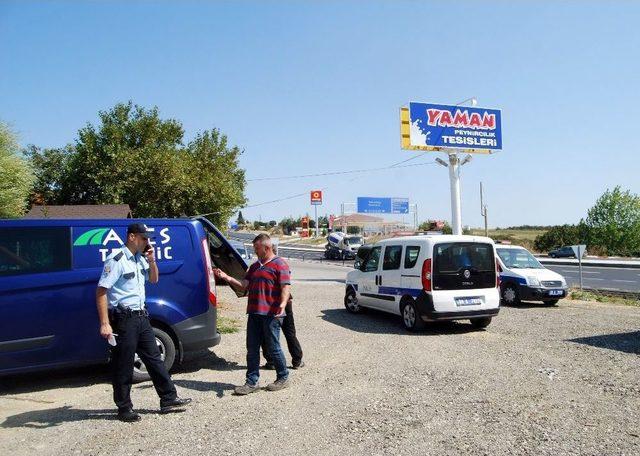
<point x="223" y="255"/>
<point x="411" y="281"/>
<point x="368" y="282"/>
<point x="389" y="280"/>
<point x="36" y="287"/>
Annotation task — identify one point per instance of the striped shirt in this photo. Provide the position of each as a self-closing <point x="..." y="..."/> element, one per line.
<point x="265" y="286"/>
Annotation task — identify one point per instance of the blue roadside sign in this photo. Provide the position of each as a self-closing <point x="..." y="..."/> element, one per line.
<point x="458" y="127"/>
<point x="373" y="205"/>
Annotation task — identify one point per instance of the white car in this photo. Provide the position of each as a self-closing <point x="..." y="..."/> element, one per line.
<point x="427" y="278"/>
<point x="524" y="278"/>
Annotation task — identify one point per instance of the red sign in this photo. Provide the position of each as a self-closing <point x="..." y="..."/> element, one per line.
<point x="316" y="196"/>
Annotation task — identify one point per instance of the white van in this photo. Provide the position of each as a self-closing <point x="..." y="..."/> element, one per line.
<point x="427" y="278"/>
<point x="524" y="278"/>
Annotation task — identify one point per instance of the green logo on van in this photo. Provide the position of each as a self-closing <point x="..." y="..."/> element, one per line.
<point x="91" y="237"/>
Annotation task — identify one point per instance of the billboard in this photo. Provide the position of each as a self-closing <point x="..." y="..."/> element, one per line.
<point x="436" y="126"/>
<point x="373" y="205"/>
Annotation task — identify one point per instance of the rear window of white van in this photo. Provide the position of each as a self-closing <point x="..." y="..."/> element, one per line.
<point x="463" y="265"/>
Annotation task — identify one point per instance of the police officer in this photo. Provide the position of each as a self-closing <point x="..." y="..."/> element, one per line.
<point x="122" y="284"/>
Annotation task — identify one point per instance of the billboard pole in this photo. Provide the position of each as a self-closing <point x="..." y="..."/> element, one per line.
<point x="483" y="211"/>
<point x="454" y="181"/>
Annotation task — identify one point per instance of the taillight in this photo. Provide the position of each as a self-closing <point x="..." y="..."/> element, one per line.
<point x="426" y="275"/>
<point x="497" y="275"/>
<point x="211" y="279"/>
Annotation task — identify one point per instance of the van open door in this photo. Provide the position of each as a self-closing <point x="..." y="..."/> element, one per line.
<point x="223" y="255"/>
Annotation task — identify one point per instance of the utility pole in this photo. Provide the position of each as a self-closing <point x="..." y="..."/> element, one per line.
<point x="483" y="211"/>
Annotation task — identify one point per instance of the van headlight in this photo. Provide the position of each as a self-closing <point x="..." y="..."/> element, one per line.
<point x="533" y="281"/>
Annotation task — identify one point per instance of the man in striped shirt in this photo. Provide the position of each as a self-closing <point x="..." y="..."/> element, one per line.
<point x="268" y="282"/>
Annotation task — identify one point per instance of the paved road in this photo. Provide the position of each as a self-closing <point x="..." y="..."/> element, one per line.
<point x="620" y="279"/>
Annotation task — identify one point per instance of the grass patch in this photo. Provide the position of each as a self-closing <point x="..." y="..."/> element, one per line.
<point x="608" y="297"/>
<point x="228" y="325"/>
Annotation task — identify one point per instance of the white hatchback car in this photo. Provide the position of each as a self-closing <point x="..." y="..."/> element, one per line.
<point x="524" y="278"/>
<point x="427" y="278"/>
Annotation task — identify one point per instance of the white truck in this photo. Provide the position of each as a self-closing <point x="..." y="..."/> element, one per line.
<point x="341" y="246"/>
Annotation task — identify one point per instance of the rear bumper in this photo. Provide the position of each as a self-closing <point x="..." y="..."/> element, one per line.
<point x="198" y="332"/>
<point x="424" y="304"/>
<point x="540" y="294"/>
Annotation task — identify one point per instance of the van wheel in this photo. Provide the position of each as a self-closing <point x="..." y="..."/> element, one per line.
<point x="552" y="302"/>
<point x="411" y="317"/>
<point x="479" y="323"/>
<point x="167" y="353"/>
<point x="510" y="295"/>
<point x="351" y="302"/>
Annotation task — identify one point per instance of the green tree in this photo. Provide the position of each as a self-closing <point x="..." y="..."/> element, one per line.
<point x="133" y="156"/>
<point x="613" y="223"/>
<point x="240" y="220"/>
<point x="16" y="176"/>
<point x="558" y="236"/>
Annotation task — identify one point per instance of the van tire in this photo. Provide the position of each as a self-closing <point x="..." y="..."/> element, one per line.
<point x="509" y="294"/>
<point x="411" y="318"/>
<point x="480" y="323"/>
<point x="351" y="302"/>
<point x="167" y="349"/>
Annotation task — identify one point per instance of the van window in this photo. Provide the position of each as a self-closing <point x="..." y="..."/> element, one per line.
<point x="392" y="254"/>
<point x="34" y="250"/>
<point x="411" y="254"/>
<point x="371" y="264"/>
<point x="463" y="265"/>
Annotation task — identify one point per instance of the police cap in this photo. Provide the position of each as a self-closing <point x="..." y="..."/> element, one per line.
<point x="140" y="228"/>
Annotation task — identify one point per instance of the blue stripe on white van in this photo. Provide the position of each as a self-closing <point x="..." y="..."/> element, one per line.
<point x="520" y="280"/>
<point x="396" y="291"/>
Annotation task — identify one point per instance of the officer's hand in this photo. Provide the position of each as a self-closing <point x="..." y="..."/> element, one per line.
<point x="150" y="254"/>
<point x="105" y="330"/>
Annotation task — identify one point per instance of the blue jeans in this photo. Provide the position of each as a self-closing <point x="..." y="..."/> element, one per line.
<point x="264" y="328"/>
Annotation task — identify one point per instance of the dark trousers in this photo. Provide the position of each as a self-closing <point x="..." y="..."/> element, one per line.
<point x="289" y="331"/>
<point x="264" y="330"/>
<point x="135" y="335"/>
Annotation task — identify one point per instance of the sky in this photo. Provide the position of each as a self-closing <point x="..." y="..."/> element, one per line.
<point x="309" y="87"/>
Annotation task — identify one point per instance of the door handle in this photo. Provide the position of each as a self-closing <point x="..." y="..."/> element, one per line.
<point x="376" y="280"/>
<point x="380" y="280"/>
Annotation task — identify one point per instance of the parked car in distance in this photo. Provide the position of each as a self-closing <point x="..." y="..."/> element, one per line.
<point x="564" y="252"/>
<point x="522" y="277"/>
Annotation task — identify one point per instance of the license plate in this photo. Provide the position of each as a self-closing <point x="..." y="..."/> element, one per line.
<point x="468" y="302"/>
<point x="555" y="292"/>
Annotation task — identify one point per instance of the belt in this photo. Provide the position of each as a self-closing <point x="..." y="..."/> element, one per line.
<point x="130" y="313"/>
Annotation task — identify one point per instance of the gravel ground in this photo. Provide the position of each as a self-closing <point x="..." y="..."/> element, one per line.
<point x="539" y="380"/>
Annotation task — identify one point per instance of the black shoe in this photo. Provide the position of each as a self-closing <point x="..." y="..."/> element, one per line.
<point x="297" y="365"/>
<point x="128" y="416"/>
<point x="176" y="405"/>
<point x="269" y="366"/>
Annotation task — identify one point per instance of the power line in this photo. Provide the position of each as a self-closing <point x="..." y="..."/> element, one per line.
<point x="335" y="173"/>
<point x="299" y="195"/>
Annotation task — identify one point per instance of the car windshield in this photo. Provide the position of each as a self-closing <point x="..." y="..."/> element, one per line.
<point x="518" y="259"/>
<point x="353" y="240"/>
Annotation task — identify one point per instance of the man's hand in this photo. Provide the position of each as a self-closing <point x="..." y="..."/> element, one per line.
<point x="220" y="274"/>
<point x="281" y="310"/>
<point x="105" y="330"/>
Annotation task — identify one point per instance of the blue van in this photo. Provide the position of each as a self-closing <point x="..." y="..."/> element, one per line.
<point x="49" y="270"/>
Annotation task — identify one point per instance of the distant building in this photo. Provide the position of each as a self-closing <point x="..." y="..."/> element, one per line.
<point x="81" y="211"/>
